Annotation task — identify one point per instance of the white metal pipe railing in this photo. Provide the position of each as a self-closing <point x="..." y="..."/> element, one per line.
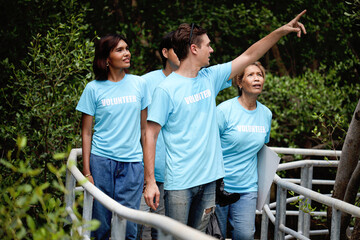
<point x="166" y="225"/>
<point x="303" y="163"/>
<point x="305" y="192"/>
<point x="307" y="152"/>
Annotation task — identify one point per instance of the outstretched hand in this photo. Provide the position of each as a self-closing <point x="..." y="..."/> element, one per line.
<point x="295" y="26"/>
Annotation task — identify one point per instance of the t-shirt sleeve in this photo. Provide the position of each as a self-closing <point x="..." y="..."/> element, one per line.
<point x="267" y="138"/>
<point x="145" y="93"/>
<point x="160" y="107"/>
<point x="220" y="120"/>
<point x="221" y="74"/>
<point x="87" y="102"/>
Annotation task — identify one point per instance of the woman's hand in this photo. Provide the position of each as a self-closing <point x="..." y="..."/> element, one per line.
<point x="90" y="178"/>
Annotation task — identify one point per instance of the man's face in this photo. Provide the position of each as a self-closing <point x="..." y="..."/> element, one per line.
<point x="204" y="50"/>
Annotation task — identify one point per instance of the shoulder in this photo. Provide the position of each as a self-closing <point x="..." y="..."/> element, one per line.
<point x="171" y="81"/>
<point x="152" y="74"/>
<point x="135" y="79"/>
<point x="94" y="84"/>
<point x="264" y="108"/>
<point x="216" y="68"/>
<point x="224" y="106"/>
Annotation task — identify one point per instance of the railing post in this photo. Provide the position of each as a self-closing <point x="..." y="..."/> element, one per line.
<point x="118" y="227"/>
<point x="280" y="212"/>
<point x="307" y="216"/>
<point x="70" y="191"/>
<point x="304" y="218"/>
<point x="265" y="221"/>
<point x="335" y="224"/>
<point x="87" y="210"/>
<point x="164" y="236"/>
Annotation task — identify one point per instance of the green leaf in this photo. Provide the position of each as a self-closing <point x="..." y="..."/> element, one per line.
<point x="30" y="222"/>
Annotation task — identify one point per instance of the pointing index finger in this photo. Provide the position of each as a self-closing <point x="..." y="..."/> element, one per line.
<point x="300" y="15"/>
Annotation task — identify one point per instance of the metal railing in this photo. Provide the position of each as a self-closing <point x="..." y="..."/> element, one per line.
<point x="306" y="195"/>
<point x="169" y="228"/>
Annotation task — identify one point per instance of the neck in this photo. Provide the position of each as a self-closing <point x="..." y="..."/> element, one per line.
<point x="248" y="102"/>
<point x="116" y="76"/>
<point x="188" y="68"/>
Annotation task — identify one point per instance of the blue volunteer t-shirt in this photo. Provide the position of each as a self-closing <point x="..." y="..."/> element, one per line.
<point x="186" y="110"/>
<point x="153" y="79"/>
<point x="242" y="133"/>
<point x="116" y="107"/>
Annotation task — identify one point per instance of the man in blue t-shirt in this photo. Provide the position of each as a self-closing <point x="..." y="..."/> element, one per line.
<point x="184" y="108"/>
<point x="170" y="63"/>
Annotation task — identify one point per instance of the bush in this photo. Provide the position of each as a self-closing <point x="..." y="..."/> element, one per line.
<point x="40" y="104"/>
<point x="27" y="209"/>
<point x="45" y="91"/>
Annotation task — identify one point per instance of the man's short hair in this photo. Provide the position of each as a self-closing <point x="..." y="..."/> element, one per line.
<point x="181" y="38"/>
<point x="165" y="43"/>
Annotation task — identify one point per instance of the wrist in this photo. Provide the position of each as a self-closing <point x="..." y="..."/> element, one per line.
<point x="87" y="175"/>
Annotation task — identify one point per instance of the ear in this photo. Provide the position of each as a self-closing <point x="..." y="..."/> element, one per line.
<point x="193" y="49"/>
<point x="165" y="53"/>
<point x="239" y="83"/>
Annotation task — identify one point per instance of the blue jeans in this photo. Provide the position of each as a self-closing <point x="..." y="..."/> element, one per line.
<point x="241" y="216"/>
<point x="122" y="181"/>
<point x="191" y="206"/>
<point x="159" y="210"/>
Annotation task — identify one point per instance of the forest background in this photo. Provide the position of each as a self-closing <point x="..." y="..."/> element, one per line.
<point x="47" y="47"/>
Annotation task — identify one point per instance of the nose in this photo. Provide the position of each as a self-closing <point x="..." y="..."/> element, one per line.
<point x="211" y="50"/>
<point x="127" y="52"/>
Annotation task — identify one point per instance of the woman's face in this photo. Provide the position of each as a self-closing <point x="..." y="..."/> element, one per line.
<point x="120" y="56"/>
<point x="253" y="81"/>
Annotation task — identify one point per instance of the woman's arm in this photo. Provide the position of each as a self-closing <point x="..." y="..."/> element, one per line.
<point x="86" y="133"/>
<point x="143" y="126"/>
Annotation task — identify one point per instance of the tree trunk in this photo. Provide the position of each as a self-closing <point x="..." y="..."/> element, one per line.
<point x="356" y="232"/>
<point x="350" y="196"/>
<point x="347" y="179"/>
<point x="282" y="69"/>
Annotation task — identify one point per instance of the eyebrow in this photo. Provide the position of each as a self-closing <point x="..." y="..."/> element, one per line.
<point x="119" y="48"/>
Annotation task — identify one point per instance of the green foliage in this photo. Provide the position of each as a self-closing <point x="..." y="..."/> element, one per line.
<point x="297" y="103"/>
<point x="354" y="11"/>
<point x="27" y="210"/>
<point x="302" y="204"/>
<point x="331" y="37"/>
<point x="39" y="102"/>
<point x="45" y="91"/>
